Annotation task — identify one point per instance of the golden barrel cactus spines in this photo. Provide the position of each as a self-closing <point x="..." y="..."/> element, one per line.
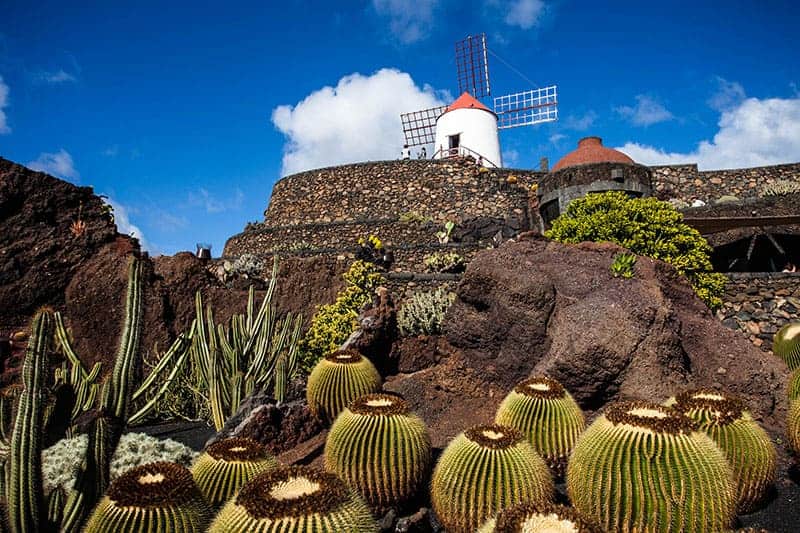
<point x="295" y="500"/>
<point x="547" y="415"/>
<point x="156" y="497"/>
<point x="379" y="448"/>
<point x="747" y="447"/>
<point x="786" y="344"/>
<point x="793" y="389"/>
<point x="338" y="379"/>
<point x="641" y="466"/>
<point x="793" y="426"/>
<point x="226" y="465"/>
<point x="532" y="518"/>
<point x="484" y="470"/>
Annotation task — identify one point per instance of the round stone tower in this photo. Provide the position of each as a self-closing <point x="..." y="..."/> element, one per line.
<point x="468" y="128"/>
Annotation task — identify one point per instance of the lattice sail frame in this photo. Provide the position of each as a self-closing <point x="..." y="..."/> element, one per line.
<point x="419" y="127"/>
<point x="526" y="108"/>
<point x="472" y="66"/>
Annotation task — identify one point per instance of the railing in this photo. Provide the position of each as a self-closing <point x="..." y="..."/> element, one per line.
<point x="463" y="151"/>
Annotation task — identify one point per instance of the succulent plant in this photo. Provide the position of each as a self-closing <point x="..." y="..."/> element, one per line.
<point x="786" y="344"/>
<point x="154" y="497"/>
<point x="226" y="465"/>
<point x="644" y="467"/>
<point x="780" y="188"/>
<point x="793" y="389"/>
<point x="294" y="500"/>
<point x="338" y="379"/>
<point x="379" y="449"/>
<point x="547" y="415"/>
<point x="527" y="517"/>
<point x="747" y="447"/>
<point x="484" y="470"/>
<point x="793" y="426"/>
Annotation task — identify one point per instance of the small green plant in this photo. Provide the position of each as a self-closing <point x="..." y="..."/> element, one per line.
<point x="445" y="262"/>
<point x="623" y="265"/>
<point x="371" y="241"/>
<point x="423" y="312"/>
<point x="413" y="217"/>
<point x="338" y="379"/>
<point x="444" y="235"/>
<point x="786" y="344"/>
<point x="647" y="227"/>
<point x="333" y="323"/>
<point x="780" y="188"/>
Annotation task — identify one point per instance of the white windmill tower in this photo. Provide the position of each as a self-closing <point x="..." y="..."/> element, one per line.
<point x="467" y="127"/>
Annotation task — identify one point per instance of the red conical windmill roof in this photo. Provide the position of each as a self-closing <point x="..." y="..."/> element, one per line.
<point x="467" y="101"/>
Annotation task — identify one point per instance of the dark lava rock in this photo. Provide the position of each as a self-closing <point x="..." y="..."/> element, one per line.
<point x="418" y="353"/>
<point x="377" y="331"/>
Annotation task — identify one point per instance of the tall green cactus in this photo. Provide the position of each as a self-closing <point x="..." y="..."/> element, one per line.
<point x="24" y="493"/>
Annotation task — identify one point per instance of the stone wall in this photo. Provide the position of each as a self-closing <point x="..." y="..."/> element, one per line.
<point x="759" y="304"/>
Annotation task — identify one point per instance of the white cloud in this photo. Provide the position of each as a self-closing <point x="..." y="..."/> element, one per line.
<point x="580" y="123"/>
<point x="56" y="77"/>
<point x="754" y="133"/>
<point x="557" y="138"/>
<point x="4" y="128"/>
<point x="510" y="157"/>
<point x="358" y="120"/>
<point x="57" y="164"/>
<point x="203" y="198"/>
<point x="126" y="227"/>
<point x="524" y="14"/>
<point x="646" y="112"/>
<point x="409" y="20"/>
<point x="728" y="95"/>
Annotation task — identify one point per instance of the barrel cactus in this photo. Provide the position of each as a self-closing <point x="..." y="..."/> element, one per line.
<point x="786" y="344"/>
<point x="645" y="467"/>
<point x="527" y="517"/>
<point x="379" y="449"/>
<point x="228" y="464"/>
<point x="156" y="497"/>
<point x="484" y="470"/>
<point x="338" y="379"/>
<point x="793" y="425"/>
<point x="294" y="500"/>
<point x="747" y="447"/>
<point x="793" y="390"/>
<point x="547" y="415"/>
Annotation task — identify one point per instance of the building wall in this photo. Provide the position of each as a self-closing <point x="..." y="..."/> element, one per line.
<point x="477" y="129"/>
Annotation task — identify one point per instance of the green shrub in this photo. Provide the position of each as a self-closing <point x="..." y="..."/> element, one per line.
<point x="623" y="265"/>
<point x="423" y="312"/>
<point x="333" y="323"/>
<point x="645" y="226"/>
<point x="445" y="262"/>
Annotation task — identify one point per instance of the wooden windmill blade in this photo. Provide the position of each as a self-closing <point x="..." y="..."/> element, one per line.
<point x="419" y="127"/>
<point x="526" y="108"/>
<point x="472" y="66"/>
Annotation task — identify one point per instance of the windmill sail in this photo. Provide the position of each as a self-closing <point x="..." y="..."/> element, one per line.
<point x="526" y="108"/>
<point x="472" y="66"/>
<point x="419" y="127"/>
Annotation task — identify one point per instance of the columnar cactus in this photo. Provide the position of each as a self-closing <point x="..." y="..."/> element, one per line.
<point x="747" y="447"/>
<point x="644" y="467"/>
<point x="379" y="449"/>
<point x="338" y="379"/>
<point x="527" y="517"/>
<point x="793" y="425"/>
<point x="294" y="500"/>
<point x="786" y="344"/>
<point x="484" y="470"/>
<point x="547" y="415"/>
<point x="156" y="497"/>
<point x="226" y="465"/>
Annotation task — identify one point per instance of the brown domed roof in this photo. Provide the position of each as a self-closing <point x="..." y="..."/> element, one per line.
<point x="591" y="150"/>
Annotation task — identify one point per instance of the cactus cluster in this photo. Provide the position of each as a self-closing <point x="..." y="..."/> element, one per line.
<point x="530" y="517"/>
<point x="226" y="465"/>
<point x="786" y="344"/>
<point x="152" y="497"/>
<point x="747" y="447"/>
<point x="644" y="467"/>
<point x="484" y="470"/>
<point x="379" y="449"/>
<point x="780" y="188"/>
<point x="294" y="500"/>
<point x="338" y="379"/>
<point x="547" y="415"/>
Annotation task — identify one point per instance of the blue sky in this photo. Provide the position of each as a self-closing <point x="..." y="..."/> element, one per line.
<point x="185" y="113"/>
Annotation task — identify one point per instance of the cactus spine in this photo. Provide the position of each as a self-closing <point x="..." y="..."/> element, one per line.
<point x="793" y="425"/>
<point x="338" y="379"/>
<point x="294" y="500"/>
<point x="484" y="470"/>
<point x="156" y="497"/>
<point x="380" y="449"/>
<point x="547" y="415"/>
<point x="747" y="447"/>
<point x="228" y="464"/>
<point x="643" y="467"/>
<point x="24" y="493"/>
<point x="528" y="518"/>
<point x="786" y="344"/>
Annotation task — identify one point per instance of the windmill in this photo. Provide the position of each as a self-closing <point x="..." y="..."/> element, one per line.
<point x="467" y="126"/>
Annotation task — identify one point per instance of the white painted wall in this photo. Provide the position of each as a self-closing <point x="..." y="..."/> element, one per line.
<point x="478" y="130"/>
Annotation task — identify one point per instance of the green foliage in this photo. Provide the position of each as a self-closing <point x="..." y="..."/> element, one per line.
<point x="156" y="497"/>
<point x="295" y="500"/>
<point x="338" y="379"/>
<point x="445" y="262"/>
<point x="623" y="265"/>
<point x="747" y="447"/>
<point x="413" y="217"/>
<point x="371" y="241"/>
<point x="379" y="448"/>
<point x="423" y="312"/>
<point x="645" y="226"/>
<point x="542" y="410"/>
<point x="333" y="323"/>
<point x="786" y="344"/>
<point x="626" y="467"/>
<point x="780" y="188"/>
<point x="483" y="471"/>
<point x="444" y="235"/>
